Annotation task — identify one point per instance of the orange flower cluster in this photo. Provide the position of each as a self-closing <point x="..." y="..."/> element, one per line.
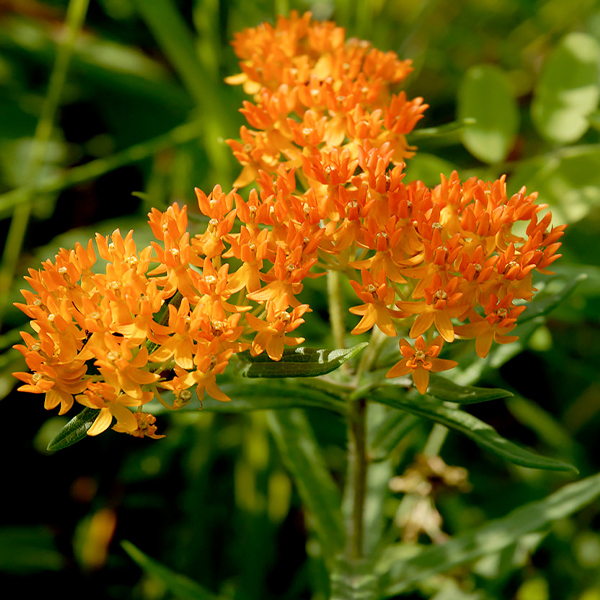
<point x="438" y="263"/>
<point x="315" y="91"/>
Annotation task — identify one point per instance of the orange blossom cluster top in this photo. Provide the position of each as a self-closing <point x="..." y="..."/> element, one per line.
<point x="438" y="263"/>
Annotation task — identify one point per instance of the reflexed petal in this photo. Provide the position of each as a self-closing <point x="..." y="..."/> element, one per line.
<point x="399" y="369"/>
<point x="442" y="364"/>
<point x="421" y="379"/>
<point x="102" y="422"/>
<point x="483" y="343"/>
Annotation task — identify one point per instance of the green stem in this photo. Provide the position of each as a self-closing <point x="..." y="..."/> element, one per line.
<point x="336" y="308"/>
<point x="16" y="235"/>
<point x="358" y="466"/>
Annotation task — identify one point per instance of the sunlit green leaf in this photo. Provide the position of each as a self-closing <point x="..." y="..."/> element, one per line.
<point x="401" y="574"/>
<point x="297" y="362"/>
<point x="567" y="91"/>
<point x="75" y="430"/>
<point x="480" y="432"/>
<point x="182" y="587"/>
<point x="485" y="95"/>
<point x="303" y="457"/>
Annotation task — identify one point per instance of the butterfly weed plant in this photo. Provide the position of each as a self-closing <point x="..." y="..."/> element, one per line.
<point x="211" y="316"/>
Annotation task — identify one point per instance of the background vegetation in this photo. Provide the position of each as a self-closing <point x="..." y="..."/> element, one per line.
<point x="133" y="117"/>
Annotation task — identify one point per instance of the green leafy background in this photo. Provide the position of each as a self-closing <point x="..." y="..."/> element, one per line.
<point x="232" y="505"/>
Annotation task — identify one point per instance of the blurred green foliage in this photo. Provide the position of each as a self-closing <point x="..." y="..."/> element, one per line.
<point x="139" y="122"/>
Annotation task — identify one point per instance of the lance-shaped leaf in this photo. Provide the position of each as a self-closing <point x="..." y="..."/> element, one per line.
<point x="389" y="433"/>
<point x="182" y="587"/>
<point x="353" y="580"/>
<point x="402" y="573"/>
<point x="445" y="389"/>
<point x="443" y="135"/>
<point x="481" y="433"/>
<point x="247" y="395"/>
<point x="297" y="362"/>
<point x="304" y="460"/>
<point x="543" y="305"/>
<point x="74" y="431"/>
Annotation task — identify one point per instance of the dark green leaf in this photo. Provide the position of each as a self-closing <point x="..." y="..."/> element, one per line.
<point x="75" y="430"/>
<point x="480" y="432"/>
<point x="297" y="362"/>
<point x="485" y="95"/>
<point x="304" y="460"/>
<point x="445" y="389"/>
<point x="567" y="91"/>
<point x="401" y="573"/>
<point x="28" y="550"/>
<point x="249" y="395"/>
<point x="182" y="587"/>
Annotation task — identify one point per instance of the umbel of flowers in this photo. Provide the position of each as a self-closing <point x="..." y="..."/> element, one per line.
<point x="430" y="264"/>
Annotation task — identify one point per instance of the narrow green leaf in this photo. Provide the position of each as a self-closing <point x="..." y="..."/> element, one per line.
<point x="247" y="395"/>
<point x="446" y="134"/>
<point x="485" y="95"/>
<point x="401" y="574"/>
<point x="75" y="430"/>
<point x="182" y="587"/>
<point x="304" y="460"/>
<point x="353" y="580"/>
<point x="389" y="433"/>
<point x="567" y="91"/>
<point x="445" y="389"/>
<point x="480" y="432"/>
<point x="545" y="303"/>
<point x="297" y="362"/>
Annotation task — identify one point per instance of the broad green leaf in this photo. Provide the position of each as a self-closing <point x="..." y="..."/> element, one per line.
<point x="401" y="574"/>
<point x="353" y="580"/>
<point x="427" y="168"/>
<point x="567" y="91"/>
<point x="485" y="95"/>
<point x="303" y="458"/>
<point x="297" y="362"/>
<point x="567" y="179"/>
<point x="182" y="587"/>
<point x="445" y="389"/>
<point x="480" y="432"/>
<point x="75" y="430"/>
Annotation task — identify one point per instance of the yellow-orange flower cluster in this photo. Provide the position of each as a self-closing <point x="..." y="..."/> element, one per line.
<point x="430" y="263"/>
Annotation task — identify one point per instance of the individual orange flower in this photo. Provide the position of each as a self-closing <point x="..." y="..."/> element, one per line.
<point x="111" y="404"/>
<point x="440" y="306"/>
<point x="145" y="426"/>
<point x="377" y="297"/>
<point x="271" y="333"/>
<point x="420" y="361"/>
<point x="500" y="319"/>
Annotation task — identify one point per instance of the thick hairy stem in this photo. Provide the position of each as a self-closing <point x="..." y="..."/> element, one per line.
<point x="336" y="308"/>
